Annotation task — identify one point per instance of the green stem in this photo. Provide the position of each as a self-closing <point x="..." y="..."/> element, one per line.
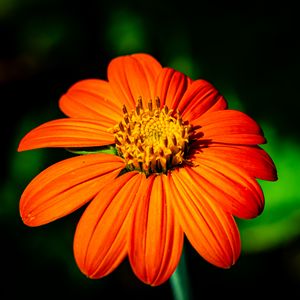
<point x="180" y="282"/>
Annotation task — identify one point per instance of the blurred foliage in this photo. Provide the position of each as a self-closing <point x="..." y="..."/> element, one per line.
<point x="248" y="51"/>
<point x="279" y="222"/>
<point x="7" y="8"/>
<point x="126" y="30"/>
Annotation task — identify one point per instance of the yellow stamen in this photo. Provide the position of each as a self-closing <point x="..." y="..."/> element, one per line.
<point x="150" y="105"/>
<point x="152" y="140"/>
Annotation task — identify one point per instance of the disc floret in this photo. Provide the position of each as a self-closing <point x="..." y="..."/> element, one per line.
<point x="152" y="139"/>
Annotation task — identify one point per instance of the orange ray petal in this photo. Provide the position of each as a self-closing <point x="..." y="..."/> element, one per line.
<point x="156" y="239"/>
<point x="201" y="97"/>
<point x="133" y="76"/>
<point x="210" y="230"/>
<point x="66" y="186"/>
<point x="92" y="99"/>
<point x="100" y="237"/>
<point x="229" y="126"/>
<point x="170" y="87"/>
<point x="67" y="133"/>
<point x="253" y="160"/>
<point x="230" y="187"/>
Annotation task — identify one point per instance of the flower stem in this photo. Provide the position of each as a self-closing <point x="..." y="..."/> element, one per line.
<point x="180" y="282"/>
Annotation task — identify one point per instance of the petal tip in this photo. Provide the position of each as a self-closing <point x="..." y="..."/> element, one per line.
<point x="21" y="147"/>
<point x="28" y="219"/>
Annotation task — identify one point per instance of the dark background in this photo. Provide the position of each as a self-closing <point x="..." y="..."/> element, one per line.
<point x="249" y="51"/>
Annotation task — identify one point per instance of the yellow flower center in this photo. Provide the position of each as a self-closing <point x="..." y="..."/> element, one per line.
<point x="152" y="140"/>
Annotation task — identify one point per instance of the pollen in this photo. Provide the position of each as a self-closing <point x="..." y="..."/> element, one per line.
<point x="152" y="139"/>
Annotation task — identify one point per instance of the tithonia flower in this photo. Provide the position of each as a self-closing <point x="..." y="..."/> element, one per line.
<point x="181" y="164"/>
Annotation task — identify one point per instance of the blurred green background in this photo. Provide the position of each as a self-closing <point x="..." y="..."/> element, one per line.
<point x="250" y="52"/>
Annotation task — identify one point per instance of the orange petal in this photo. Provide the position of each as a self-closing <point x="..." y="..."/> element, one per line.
<point x="170" y="87"/>
<point x="92" y="99"/>
<point x="228" y="186"/>
<point x="156" y="238"/>
<point x="100" y="238"/>
<point x="133" y="76"/>
<point x="229" y="126"/>
<point x="201" y="97"/>
<point x="66" y="186"/>
<point x="253" y="160"/>
<point x="66" y="133"/>
<point x="210" y="230"/>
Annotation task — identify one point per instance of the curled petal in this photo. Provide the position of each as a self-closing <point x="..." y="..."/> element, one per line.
<point x="253" y="160"/>
<point x="93" y="99"/>
<point x="100" y="237"/>
<point x="66" y="186"/>
<point x="230" y="127"/>
<point x="201" y="97"/>
<point x="229" y="187"/>
<point x="133" y="76"/>
<point x="210" y="230"/>
<point x="67" y="133"/>
<point x="170" y="87"/>
<point x="156" y="238"/>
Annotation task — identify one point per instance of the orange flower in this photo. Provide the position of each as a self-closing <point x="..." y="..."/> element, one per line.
<point x="184" y="164"/>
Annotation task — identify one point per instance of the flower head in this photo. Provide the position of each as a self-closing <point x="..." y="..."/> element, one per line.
<point x="181" y="164"/>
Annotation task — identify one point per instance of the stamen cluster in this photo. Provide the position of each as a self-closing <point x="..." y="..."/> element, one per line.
<point x="152" y="139"/>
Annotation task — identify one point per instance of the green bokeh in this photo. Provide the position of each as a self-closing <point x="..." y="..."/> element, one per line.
<point x="126" y="32"/>
<point x="278" y="224"/>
